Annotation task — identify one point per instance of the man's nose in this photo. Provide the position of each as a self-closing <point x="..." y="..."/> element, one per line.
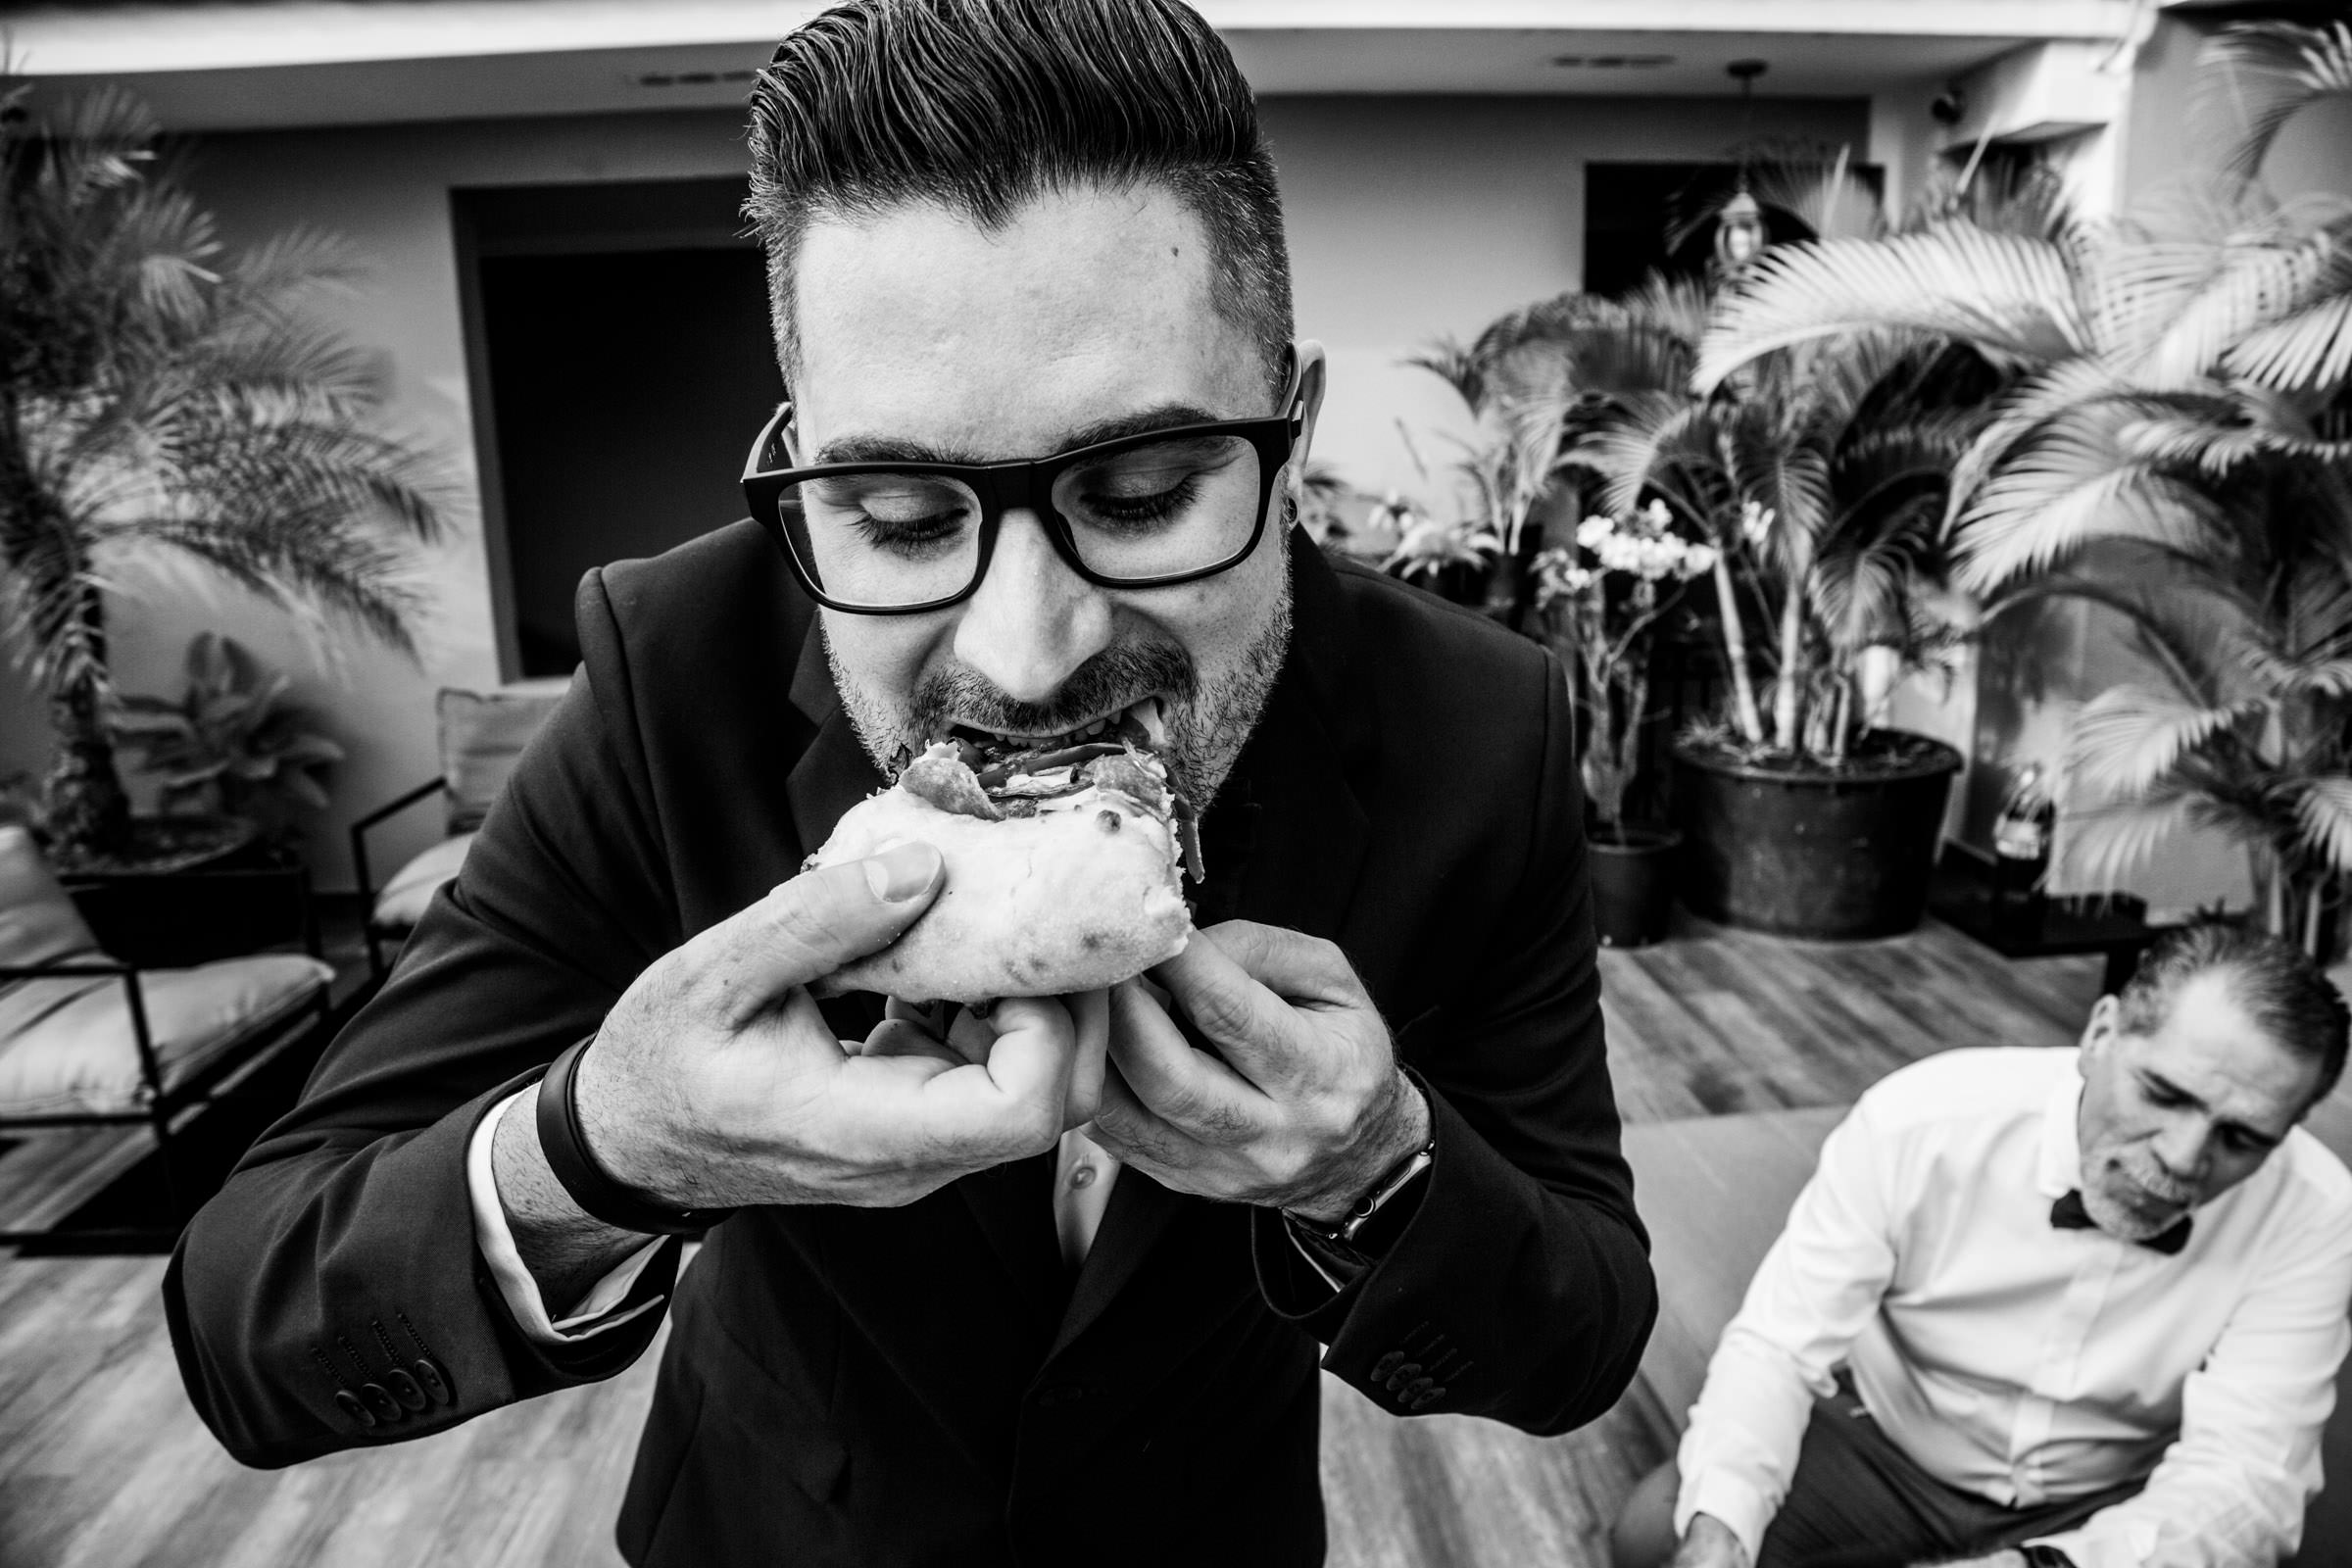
<point x="1032" y="620"/>
<point x="2183" y="1148"/>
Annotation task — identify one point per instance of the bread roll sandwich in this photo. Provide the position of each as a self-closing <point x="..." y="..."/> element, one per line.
<point x="1061" y="873"/>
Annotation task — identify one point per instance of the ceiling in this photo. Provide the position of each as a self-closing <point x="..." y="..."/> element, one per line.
<point x="251" y="64"/>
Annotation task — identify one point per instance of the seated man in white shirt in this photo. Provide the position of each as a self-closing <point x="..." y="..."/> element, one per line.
<point x="2046" y="1306"/>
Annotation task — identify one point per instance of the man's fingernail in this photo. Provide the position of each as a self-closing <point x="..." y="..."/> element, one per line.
<point x="900" y="873"/>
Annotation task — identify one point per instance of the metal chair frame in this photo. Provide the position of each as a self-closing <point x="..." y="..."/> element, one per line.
<point x="371" y="933"/>
<point x="215" y="1081"/>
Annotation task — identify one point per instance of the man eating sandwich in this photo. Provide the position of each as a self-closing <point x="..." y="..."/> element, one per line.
<point x="1046" y="1278"/>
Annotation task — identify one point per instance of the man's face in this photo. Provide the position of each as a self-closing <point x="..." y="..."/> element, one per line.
<point x="2174" y="1119"/>
<point x="923" y="332"/>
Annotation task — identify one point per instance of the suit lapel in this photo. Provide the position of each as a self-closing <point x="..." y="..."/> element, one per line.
<point x="1013" y="1204"/>
<point x="1138" y="1211"/>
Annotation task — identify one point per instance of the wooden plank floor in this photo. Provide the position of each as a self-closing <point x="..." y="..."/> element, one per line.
<point x="1715" y="1022"/>
<point x="102" y="1462"/>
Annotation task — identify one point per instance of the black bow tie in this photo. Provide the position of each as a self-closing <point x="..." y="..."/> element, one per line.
<point x="2069" y="1214"/>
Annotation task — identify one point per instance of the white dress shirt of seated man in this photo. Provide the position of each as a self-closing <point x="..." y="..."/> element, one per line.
<point x="2043" y="1307"/>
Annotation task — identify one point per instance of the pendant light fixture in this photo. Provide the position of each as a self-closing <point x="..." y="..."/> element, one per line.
<point x="1739" y="225"/>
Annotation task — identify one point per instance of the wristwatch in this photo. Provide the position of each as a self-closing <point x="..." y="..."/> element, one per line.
<point x="1349" y="1232"/>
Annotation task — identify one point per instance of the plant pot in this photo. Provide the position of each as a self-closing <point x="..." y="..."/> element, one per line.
<point x="190" y="891"/>
<point x="1633" y="883"/>
<point x="1802" y="849"/>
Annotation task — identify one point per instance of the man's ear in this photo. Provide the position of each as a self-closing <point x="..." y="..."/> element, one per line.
<point x="2099" y="1032"/>
<point x="1314" y="375"/>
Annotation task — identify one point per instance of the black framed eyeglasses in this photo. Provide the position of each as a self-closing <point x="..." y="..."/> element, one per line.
<point x="1144" y="510"/>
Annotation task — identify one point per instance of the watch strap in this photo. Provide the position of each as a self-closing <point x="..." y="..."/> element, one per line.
<point x="1384" y="1192"/>
<point x="599" y="1197"/>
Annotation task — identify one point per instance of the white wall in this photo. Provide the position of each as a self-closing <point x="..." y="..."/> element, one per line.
<point x="1409" y="218"/>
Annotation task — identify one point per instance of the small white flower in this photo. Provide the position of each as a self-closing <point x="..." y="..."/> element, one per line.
<point x="1593" y="530"/>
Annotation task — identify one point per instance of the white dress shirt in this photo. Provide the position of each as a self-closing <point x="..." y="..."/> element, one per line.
<point x="1083" y="1175"/>
<point x="2027" y="1363"/>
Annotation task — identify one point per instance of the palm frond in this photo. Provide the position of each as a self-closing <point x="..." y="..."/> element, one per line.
<point x="162" y="391"/>
<point x="2010" y="296"/>
<point x="2098" y="847"/>
<point x="1830" y="199"/>
<point x="2128" y="737"/>
<point x="2308" y="348"/>
<point x="2069" y="484"/>
<point x="2267" y="73"/>
<point x="2325" y="811"/>
<point x="2002" y="198"/>
<point x="1862" y="596"/>
<point x="1452" y="362"/>
<point x="2172" y="311"/>
<point x="1642" y="435"/>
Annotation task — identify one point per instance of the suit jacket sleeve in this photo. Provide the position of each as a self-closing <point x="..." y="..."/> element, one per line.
<point x="341" y="1252"/>
<point x="1521" y="1289"/>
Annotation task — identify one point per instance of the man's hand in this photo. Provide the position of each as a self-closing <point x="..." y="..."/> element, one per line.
<point x="1710" y="1543"/>
<point x="715" y="1082"/>
<point x="1306" y="1110"/>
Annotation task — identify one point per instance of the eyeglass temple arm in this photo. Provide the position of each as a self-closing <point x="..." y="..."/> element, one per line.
<point x="755" y="463"/>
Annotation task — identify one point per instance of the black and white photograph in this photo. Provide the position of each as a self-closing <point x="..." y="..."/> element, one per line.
<point x="1175" y="783"/>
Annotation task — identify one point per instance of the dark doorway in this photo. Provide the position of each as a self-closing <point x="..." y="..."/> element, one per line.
<point x="623" y="353"/>
<point x="1646" y="217"/>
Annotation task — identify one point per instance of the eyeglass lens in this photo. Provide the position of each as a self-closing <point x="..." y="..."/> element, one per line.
<point x="1155" y="511"/>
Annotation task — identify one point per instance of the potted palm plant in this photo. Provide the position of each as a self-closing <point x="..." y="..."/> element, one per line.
<point x="160" y="393"/>
<point x="1599" y="601"/>
<point x="1817" y="473"/>
<point x="2177" y="454"/>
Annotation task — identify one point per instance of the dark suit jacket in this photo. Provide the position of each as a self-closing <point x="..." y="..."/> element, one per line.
<point x="922" y="1385"/>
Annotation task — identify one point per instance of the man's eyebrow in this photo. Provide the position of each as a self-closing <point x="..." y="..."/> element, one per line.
<point x="902" y="449"/>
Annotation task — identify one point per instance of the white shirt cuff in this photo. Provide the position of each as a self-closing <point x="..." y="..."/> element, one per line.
<point x="1730" y="1500"/>
<point x="595" y="1313"/>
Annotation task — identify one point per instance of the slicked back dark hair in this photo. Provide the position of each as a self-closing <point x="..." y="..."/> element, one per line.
<point x="2289" y="998"/>
<point x="980" y="106"/>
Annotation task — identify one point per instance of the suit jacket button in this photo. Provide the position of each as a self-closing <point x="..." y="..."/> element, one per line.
<point x="1386" y="1365"/>
<point x="405" y="1388"/>
<point x="1429" y="1396"/>
<point x="1413" y="1391"/>
<point x="380" y="1400"/>
<point x="349" y="1404"/>
<point x="1403" y="1375"/>
<point x="434" y="1380"/>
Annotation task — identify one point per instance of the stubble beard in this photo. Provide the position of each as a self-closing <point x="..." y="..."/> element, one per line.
<point x="1210" y="718"/>
<point x="2107" y="1179"/>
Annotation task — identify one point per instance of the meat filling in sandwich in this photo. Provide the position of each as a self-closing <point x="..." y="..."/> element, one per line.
<point x="1062" y="863"/>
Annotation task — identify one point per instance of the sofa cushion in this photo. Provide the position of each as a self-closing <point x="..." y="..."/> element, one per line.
<point x="402" y="902"/>
<point x="77" y="1054"/>
<point x="482" y="735"/>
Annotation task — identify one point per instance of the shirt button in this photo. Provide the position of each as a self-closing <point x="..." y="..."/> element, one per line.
<point x="1083" y="1176"/>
